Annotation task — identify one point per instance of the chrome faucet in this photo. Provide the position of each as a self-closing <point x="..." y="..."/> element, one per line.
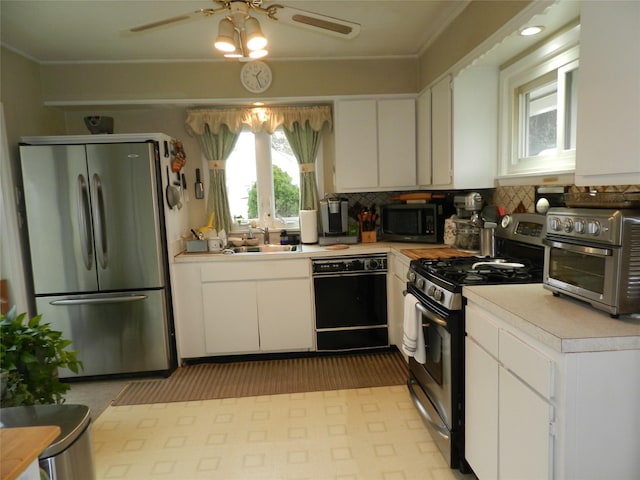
<point x="265" y="232"/>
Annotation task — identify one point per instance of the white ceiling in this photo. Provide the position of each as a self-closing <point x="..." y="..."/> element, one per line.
<point x="92" y="30"/>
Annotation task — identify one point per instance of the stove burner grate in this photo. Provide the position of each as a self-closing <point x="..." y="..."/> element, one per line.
<point x="458" y="270"/>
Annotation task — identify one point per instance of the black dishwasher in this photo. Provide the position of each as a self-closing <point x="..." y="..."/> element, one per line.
<point x="351" y="302"/>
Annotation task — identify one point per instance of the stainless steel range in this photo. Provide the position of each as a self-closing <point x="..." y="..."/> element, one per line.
<point x="436" y="374"/>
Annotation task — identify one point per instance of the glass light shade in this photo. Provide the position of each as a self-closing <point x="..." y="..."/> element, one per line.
<point x="255" y="38"/>
<point x="258" y="53"/>
<point x="225" y="40"/>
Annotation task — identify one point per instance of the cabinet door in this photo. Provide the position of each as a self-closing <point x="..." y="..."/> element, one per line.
<point x="356" y="134"/>
<point x="481" y="411"/>
<point x="441" y="136"/>
<point x="285" y="315"/>
<point x="188" y="310"/>
<point x="397" y="143"/>
<point x="608" y="144"/>
<point x="396" y="285"/>
<point x="524" y="431"/>
<point x="423" y="132"/>
<point x="230" y="317"/>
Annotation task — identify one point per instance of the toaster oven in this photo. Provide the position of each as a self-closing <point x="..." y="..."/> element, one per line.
<point x="594" y="255"/>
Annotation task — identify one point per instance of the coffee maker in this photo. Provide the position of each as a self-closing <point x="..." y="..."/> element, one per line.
<point x="334" y="218"/>
<point x="467" y="222"/>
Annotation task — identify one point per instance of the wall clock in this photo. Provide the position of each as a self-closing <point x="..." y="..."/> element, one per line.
<point x="256" y="76"/>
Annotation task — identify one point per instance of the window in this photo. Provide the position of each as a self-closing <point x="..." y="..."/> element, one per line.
<point x="263" y="181"/>
<point x="539" y="109"/>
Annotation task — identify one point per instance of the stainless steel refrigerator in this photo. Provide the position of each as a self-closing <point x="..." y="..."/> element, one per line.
<point x="96" y="240"/>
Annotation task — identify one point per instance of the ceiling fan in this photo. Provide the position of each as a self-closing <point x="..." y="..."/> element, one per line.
<point x="237" y="17"/>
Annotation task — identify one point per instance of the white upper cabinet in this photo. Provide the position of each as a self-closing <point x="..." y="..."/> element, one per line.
<point x="463" y="131"/>
<point x="608" y="137"/>
<point x="375" y="144"/>
<point x="423" y="129"/>
<point x="441" y="133"/>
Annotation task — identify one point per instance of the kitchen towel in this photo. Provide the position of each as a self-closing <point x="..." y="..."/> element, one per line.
<point x="308" y="226"/>
<point x="413" y="337"/>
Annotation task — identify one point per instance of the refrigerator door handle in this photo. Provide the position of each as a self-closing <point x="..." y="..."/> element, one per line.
<point x="84" y="222"/>
<point x="101" y="227"/>
<point x="99" y="300"/>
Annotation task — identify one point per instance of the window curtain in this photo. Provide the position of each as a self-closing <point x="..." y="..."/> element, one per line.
<point x="216" y="148"/>
<point x="304" y="142"/>
<point x="217" y="131"/>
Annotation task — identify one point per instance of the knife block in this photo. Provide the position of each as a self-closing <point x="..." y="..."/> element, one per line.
<point x="368" y="237"/>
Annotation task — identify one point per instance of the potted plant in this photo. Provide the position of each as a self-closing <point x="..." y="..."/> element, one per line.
<point x="30" y="355"/>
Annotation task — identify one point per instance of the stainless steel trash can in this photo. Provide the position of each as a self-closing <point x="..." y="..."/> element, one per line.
<point x="70" y="456"/>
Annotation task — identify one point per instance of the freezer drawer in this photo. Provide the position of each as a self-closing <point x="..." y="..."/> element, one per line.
<point x="113" y="333"/>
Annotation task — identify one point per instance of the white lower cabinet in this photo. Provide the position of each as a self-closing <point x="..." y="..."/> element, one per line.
<point x="397" y="284"/>
<point x="534" y="412"/>
<point x="230" y="317"/>
<point x="508" y="415"/>
<point x="481" y="410"/>
<point x="225" y="308"/>
<point x="524" y="436"/>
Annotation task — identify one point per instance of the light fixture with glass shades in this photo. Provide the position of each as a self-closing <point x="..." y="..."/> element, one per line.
<point x="239" y="33"/>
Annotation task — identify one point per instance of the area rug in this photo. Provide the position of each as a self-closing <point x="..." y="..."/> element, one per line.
<point x="209" y="381"/>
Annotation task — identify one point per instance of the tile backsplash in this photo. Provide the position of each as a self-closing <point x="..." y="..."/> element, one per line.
<point x="513" y="198"/>
<point x="522" y="198"/>
<point x="516" y="199"/>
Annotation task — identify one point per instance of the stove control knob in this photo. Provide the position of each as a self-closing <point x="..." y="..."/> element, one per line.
<point x="438" y="295"/>
<point x="373" y="265"/>
<point x="568" y="225"/>
<point x="581" y="225"/>
<point x="411" y="276"/>
<point x="555" y="224"/>
<point x="594" y="228"/>
<point x="420" y="283"/>
<point x="432" y="290"/>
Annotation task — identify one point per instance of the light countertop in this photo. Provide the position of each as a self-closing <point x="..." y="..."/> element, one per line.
<point x="562" y="323"/>
<point x="315" y="251"/>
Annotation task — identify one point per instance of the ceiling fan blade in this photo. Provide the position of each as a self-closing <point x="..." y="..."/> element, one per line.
<point x="161" y="23"/>
<point x="318" y="22"/>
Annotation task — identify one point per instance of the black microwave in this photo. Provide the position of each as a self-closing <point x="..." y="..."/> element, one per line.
<point x="412" y="222"/>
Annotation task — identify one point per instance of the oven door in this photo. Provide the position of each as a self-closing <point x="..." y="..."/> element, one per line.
<point x="585" y="272"/>
<point x="434" y="376"/>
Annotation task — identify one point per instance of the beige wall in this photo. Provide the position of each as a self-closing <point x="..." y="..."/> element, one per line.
<point x="220" y="80"/>
<point x="21" y="96"/>
<point x="473" y="26"/>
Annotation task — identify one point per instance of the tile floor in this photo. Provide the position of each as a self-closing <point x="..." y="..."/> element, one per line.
<point x="371" y="433"/>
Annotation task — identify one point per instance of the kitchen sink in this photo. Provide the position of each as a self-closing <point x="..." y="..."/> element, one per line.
<point x="266" y="249"/>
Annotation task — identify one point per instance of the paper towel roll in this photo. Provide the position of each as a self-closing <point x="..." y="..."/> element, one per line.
<point x="309" y="226"/>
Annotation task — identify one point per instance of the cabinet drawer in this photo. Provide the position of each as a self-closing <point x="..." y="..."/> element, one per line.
<point x="482" y="329"/>
<point x="532" y="366"/>
<point x="256" y="270"/>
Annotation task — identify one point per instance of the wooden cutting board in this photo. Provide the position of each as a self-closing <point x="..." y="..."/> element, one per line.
<point x="21" y="446"/>
<point x="403" y="197"/>
<point x="445" y="252"/>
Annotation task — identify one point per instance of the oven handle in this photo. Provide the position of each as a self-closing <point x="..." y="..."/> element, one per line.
<point x="601" y="252"/>
<point x="428" y="313"/>
<point x="439" y="427"/>
<point x="431" y="316"/>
